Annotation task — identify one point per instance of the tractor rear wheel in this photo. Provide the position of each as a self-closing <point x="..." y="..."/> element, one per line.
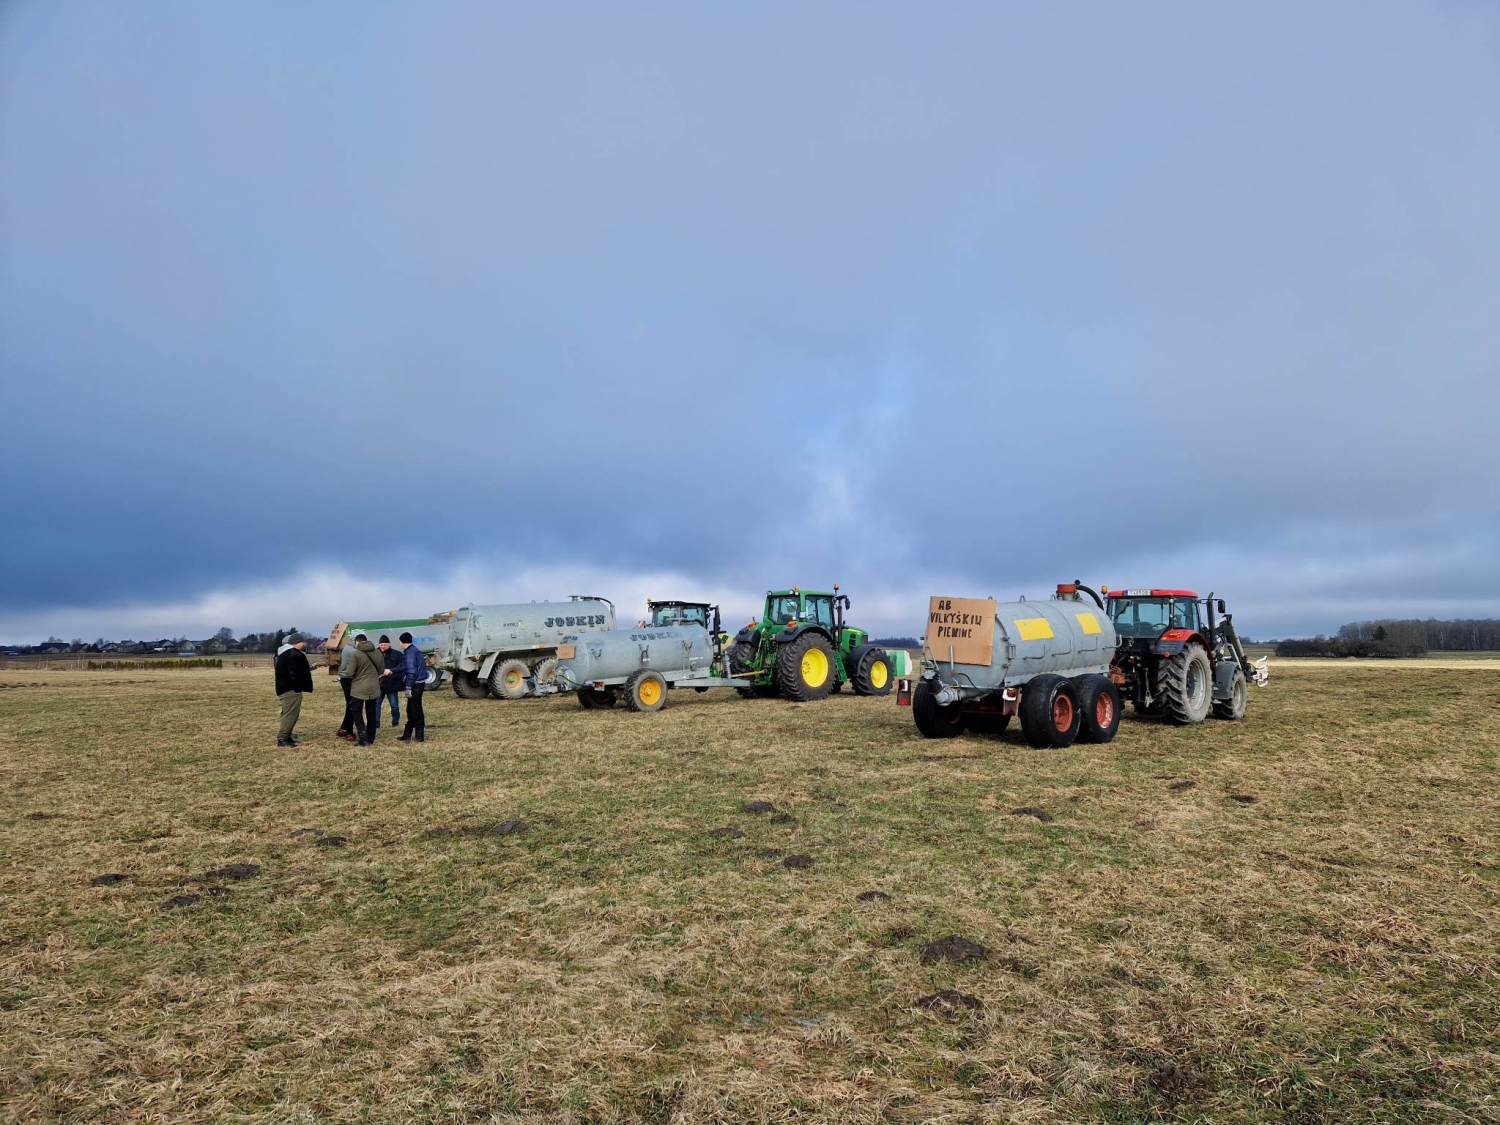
<point x="1185" y="686"/>
<point x="1099" y="705"/>
<point x="596" y="699"/>
<point x="873" y="676"/>
<point x="508" y="680"/>
<point x="741" y="657"/>
<point x="804" y="668"/>
<point x="1239" y="699"/>
<point x="1050" y="717"/>
<point x="645" y="691"/>
<point x="933" y="719"/>
<point x="467" y="685"/>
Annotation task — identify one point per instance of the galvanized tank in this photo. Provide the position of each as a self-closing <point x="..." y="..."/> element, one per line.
<point x="613" y="656"/>
<point x="479" y="631"/>
<point x="1064" y="636"/>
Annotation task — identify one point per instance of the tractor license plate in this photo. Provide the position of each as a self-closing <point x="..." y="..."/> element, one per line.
<point x="903" y="694"/>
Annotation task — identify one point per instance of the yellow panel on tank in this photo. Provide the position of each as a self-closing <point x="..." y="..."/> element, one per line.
<point x="1034" y="628"/>
<point x="1088" y="623"/>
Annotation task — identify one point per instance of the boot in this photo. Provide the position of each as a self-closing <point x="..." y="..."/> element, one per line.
<point x="292" y="740"/>
<point x="404" y="736"/>
<point x="421" y="734"/>
<point x="284" y="743"/>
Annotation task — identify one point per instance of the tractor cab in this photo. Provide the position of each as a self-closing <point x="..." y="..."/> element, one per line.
<point x="668" y="613"/>
<point x="1148" y="615"/>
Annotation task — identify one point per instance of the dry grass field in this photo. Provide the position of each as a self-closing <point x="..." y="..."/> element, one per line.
<point x="1290" y="919"/>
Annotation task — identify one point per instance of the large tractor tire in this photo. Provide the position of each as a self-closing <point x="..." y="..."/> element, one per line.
<point x="646" y="691"/>
<point x="1050" y="717"/>
<point x="1185" y="686"/>
<point x="1099" y="707"/>
<point x="467" y="685"/>
<point x="804" y="668"/>
<point x="741" y="656"/>
<point x="874" y="676"/>
<point x="934" y="720"/>
<point x="508" y="680"/>
<point x="1238" y="702"/>
<point x="987" y="722"/>
<point x="596" y="699"/>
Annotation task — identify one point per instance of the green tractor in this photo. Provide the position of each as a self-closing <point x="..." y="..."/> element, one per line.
<point x="801" y="649"/>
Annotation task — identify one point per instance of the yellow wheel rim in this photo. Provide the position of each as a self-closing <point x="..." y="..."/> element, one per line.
<point x="879" y="674"/>
<point x="512" y="678"/>
<point x="650" y="693"/>
<point x="814" y="667"/>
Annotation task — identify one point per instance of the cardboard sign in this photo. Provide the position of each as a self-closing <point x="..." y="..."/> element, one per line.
<point x="961" y="629"/>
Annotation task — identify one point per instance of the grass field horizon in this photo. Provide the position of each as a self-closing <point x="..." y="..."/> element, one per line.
<point x="547" y="914"/>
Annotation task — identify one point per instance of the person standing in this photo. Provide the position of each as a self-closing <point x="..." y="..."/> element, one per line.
<point x="346" y="677"/>
<point x="415" y="665"/>
<point x="293" y="681"/>
<point x="364" y="689"/>
<point x="391" y="682"/>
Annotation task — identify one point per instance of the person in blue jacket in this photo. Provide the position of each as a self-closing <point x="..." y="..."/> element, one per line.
<point x="414" y="665"/>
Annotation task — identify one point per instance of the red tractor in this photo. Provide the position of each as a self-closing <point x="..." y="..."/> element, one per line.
<point x="1177" y="658"/>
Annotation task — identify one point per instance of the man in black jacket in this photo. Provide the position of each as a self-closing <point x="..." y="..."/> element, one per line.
<point x="293" y="678"/>
<point x="392" y="683"/>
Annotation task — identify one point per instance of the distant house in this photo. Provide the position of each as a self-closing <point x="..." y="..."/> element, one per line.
<point x="51" y="647"/>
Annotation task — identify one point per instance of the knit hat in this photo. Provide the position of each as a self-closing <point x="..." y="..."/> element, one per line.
<point x="406" y="638"/>
<point x="384" y="639"/>
<point x="293" y="639"/>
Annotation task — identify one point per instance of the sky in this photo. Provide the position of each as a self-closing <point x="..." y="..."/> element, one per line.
<point x="312" y="311"/>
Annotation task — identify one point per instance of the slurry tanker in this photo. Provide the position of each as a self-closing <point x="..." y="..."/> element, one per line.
<point x="507" y="651"/>
<point x="985" y="662"/>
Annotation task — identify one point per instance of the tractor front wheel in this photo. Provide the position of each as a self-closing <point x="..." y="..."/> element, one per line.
<point x="804" y="668"/>
<point x="933" y="719"/>
<point x="1185" y="686"/>
<point x="873" y="676"/>
<point x="1050" y="716"/>
<point x="1239" y="699"/>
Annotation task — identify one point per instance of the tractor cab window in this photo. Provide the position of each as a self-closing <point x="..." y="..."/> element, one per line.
<point x="679" y="615"/>
<point x="1185" y="615"/>
<point x="784" y="609"/>
<point x="1141" y="617"/>
<point x="821" y="611"/>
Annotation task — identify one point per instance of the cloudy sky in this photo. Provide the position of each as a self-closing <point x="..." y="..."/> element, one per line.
<point x="329" y="309"/>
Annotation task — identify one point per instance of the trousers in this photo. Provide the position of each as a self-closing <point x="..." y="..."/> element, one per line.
<point x="416" y="717"/>
<point x="291" y="711"/>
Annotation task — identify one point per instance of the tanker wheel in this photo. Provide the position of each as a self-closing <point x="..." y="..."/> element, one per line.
<point x="1239" y="699"/>
<point x="467" y="685"/>
<point x="1185" y="686"/>
<point x="804" y="668"/>
<point x="508" y="680"/>
<point x="1050" y="716"/>
<point x="1100" y="707"/>
<point x="645" y="691"/>
<point x="741" y="657"/>
<point x="596" y="699"/>
<point x="986" y="722"/>
<point x="873" y="676"/>
<point x="543" y="670"/>
<point x="933" y="719"/>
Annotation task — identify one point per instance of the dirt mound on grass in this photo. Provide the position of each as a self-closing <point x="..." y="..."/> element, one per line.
<point x="953" y="948"/>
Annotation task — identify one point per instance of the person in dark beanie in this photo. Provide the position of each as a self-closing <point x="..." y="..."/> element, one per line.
<point x="391" y="682"/>
<point x="364" y="688"/>
<point x="293" y="681"/>
<point x="415" y="666"/>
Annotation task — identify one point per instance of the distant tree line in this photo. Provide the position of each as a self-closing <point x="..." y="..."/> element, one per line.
<point x="1400" y="638"/>
<point x="897" y="642"/>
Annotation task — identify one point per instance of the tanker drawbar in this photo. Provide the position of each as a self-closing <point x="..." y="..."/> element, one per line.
<point x="985" y="662"/>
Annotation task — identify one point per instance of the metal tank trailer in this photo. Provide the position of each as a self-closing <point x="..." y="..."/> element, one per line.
<point x="431" y="635"/>
<point x="1046" y="663"/>
<point x="506" y="651"/>
<point x="642" y="664"/>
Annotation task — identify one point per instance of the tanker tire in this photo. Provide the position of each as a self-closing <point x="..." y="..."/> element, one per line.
<point x="1185" y="686"/>
<point x="596" y="699"/>
<point x="1238" y="703"/>
<point x="466" y="685"/>
<point x="987" y="723"/>
<point x="508" y="680"/>
<point x="865" y="679"/>
<point x="1099" y="705"/>
<point x="543" y="670"/>
<point x="933" y="719"/>
<point x="799" y="662"/>
<point x="645" y="691"/>
<point x="1049" y="713"/>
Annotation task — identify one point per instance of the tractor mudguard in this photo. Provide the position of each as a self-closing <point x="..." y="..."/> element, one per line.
<point x="745" y="636"/>
<point x="1224" y="678"/>
<point x="856" y="654"/>
<point x="787" y="636"/>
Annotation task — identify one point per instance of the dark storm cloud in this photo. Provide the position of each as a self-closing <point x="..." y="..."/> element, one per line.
<point x="990" y="296"/>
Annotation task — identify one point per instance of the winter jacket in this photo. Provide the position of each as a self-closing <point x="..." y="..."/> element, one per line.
<point x="396" y="665"/>
<point x="346" y="660"/>
<point x="292" y="671"/>
<point x="416" y="666"/>
<point x="366" y="668"/>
